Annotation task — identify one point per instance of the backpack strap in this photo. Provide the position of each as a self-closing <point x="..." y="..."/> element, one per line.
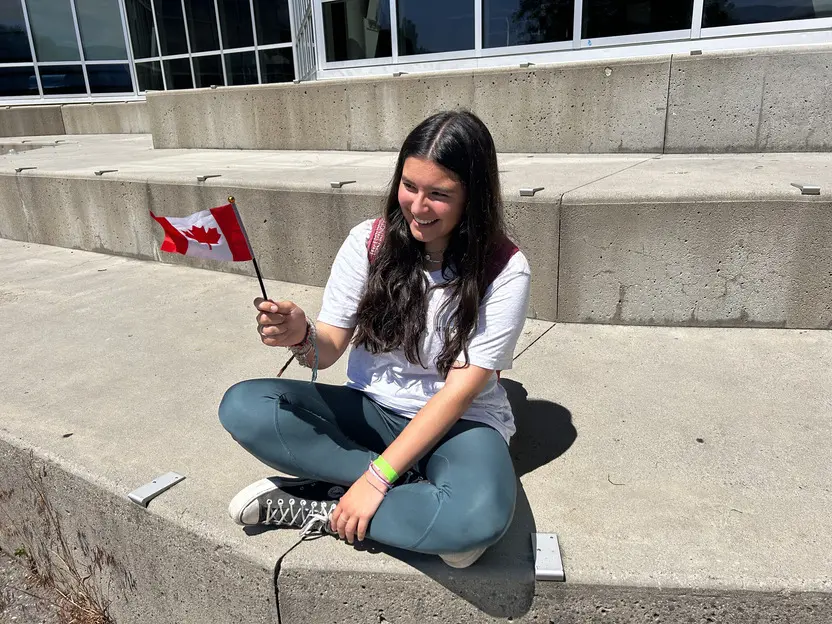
<point x="500" y="258"/>
<point x="376" y="238"/>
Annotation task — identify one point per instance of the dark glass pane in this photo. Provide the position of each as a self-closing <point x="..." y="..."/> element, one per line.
<point x="235" y="23"/>
<point x="610" y="18"/>
<point x="523" y="22"/>
<point x="429" y="26"/>
<point x="142" y="33"/>
<point x="202" y="25"/>
<point x="357" y="29"/>
<point x="276" y="65"/>
<point x="241" y="68"/>
<point x="18" y="81"/>
<point x="208" y="71"/>
<point x="53" y="30"/>
<point x="60" y="79"/>
<point x="171" y="27"/>
<point x="271" y="18"/>
<point x="109" y="78"/>
<point x="101" y="33"/>
<point x="722" y="13"/>
<point x="178" y="74"/>
<point x="149" y="76"/>
<point x="14" y="44"/>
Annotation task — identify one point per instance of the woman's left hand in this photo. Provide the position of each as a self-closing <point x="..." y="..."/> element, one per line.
<point x="355" y="509"/>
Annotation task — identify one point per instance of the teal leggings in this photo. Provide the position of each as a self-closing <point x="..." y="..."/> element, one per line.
<point x="331" y="433"/>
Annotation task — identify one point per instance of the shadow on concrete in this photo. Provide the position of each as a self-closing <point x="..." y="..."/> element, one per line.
<point x="502" y="583"/>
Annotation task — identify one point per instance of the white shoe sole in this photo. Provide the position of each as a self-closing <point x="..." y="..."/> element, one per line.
<point x="463" y="559"/>
<point x="245" y="496"/>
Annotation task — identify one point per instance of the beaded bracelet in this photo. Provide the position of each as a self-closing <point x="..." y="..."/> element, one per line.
<point x="300" y="351"/>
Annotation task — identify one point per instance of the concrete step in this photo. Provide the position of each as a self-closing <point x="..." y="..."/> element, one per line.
<point x="92" y="118"/>
<point x="769" y="100"/>
<point x="684" y="469"/>
<point x="678" y="240"/>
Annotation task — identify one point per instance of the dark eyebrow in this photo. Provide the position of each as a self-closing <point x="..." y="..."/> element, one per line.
<point x="440" y="189"/>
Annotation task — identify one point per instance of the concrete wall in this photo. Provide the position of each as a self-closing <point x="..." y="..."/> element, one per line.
<point x="297" y="236"/>
<point x="150" y="569"/>
<point x="717" y="264"/>
<point x="698" y="262"/>
<point x="106" y="118"/>
<point x="583" y="107"/>
<point x="18" y="121"/>
<point x="412" y="601"/>
<point x="94" y="118"/>
<point x="771" y="100"/>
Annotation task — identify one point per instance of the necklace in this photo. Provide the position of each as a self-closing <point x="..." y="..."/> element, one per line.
<point x="431" y="260"/>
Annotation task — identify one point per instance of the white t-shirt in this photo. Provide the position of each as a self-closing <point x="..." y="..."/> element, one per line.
<point x="392" y="381"/>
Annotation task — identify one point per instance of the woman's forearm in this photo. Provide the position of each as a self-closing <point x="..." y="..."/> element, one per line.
<point x="331" y="342"/>
<point x="428" y="427"/>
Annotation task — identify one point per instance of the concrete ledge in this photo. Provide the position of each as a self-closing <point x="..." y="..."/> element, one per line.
<point x="106" y="118"/>
<point x="687" y="241"/>
<point x="660" y="456"/>
<point x="150" y="567"/>
<point x="771" y="100"/>
<point x="21" y="121"/>
<point x="672" y="240"/>
<point x="759" y="101"/>
<point x="611" y="106"/>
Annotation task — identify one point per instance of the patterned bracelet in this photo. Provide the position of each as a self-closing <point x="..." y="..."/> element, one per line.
<point x="309" y="343"/>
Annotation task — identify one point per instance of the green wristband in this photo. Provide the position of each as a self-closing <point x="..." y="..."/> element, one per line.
<point x="386" y="469"/>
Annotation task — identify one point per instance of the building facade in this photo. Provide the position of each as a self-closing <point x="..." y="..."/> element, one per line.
<point x="82" y="50"/>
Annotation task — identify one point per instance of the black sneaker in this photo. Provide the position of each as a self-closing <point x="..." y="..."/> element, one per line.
<point x="287" y="502"/>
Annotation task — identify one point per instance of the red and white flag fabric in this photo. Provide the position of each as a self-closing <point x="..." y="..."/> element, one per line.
<point x="216" y="234"/>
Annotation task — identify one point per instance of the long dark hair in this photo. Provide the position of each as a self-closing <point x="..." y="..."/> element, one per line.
<point x="393" y="310"/>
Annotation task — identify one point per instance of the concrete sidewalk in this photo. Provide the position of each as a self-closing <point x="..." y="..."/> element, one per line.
<point x="686" y="471"/>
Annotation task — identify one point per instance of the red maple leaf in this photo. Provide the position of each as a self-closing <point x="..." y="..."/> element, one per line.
<point x="201" y="235"/>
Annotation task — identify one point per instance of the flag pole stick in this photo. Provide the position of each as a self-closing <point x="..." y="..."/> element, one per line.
<point x="233" y="202"/>
<point x="259" y="277"/>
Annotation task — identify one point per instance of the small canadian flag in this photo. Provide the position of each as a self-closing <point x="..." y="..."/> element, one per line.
<point x="216" y="234"/>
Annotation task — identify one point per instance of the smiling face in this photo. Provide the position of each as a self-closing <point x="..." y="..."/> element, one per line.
<point x="432" y="200"/>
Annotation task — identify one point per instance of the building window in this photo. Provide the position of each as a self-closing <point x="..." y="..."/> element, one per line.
<point x="142" y="31"/>
<point x="53" y="30"/>
<point x="102" y="36"/>
<point x="149" y="76"/>
<point x="277" y="65"/>
<point x="611" y="18"/>
<point x="178" y="74"/>
<point x="202" y="26"/>
<point x="241" y="68"/>
<point x="431" y="26"/>
<point x="171" y="26"/>
<point x="208" y="71"/>
<point x="14" y="43"/>
<point x="357" y="29"/>
<point x="109" y="78"/>
<point x="735" y="12"/>
<point x="272" y="20"/>
<point x="235" y="24"/>
<point x="18" y="81"/>
<point x="524" y="22"/>
<point x="62" y="79"/>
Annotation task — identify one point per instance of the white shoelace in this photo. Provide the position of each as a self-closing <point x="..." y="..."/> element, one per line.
<point x="311" y="518"/>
